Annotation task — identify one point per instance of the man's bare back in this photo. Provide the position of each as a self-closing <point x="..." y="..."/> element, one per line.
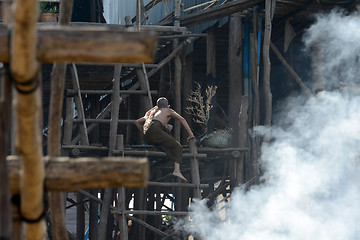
<point x="163" y="115"/>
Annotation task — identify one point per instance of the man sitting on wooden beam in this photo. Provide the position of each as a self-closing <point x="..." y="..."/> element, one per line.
<point x="153" y="125"/>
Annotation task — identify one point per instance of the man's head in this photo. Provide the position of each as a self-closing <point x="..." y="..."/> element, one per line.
<point x="162" y="102"/>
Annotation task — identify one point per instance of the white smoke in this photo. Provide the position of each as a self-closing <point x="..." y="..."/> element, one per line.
<point x="312" y="178"/>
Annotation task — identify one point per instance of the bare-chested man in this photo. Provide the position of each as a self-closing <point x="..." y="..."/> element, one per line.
<point x="155" y="131"/>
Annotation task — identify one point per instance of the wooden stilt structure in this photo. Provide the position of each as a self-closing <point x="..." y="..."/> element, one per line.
<point x="99" y="141"/>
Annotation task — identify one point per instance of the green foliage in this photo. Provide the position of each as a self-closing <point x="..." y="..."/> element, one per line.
<point x="47" y="7"/>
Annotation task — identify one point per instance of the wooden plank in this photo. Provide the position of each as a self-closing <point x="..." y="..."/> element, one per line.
<point x="72" y="92"/>
<point x="216" y="12"/>
<point x="67" y="174"/>
<point x="88" y="44"/>
<point x="151" y="213"/>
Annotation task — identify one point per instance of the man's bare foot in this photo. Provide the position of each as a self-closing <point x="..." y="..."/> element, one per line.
<point x="179" y="175"/>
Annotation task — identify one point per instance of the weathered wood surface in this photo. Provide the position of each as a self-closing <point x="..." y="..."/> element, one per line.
<point x="242" y="136"/>
<point x="88" y="44"/>
<point x="67" y="174"/>
<point x="216" y="12"/>
<point x="267" y="67"/>
<point x="56" y="199"/>
<point x="235" y="72"/>
<point x="255" y="139"/>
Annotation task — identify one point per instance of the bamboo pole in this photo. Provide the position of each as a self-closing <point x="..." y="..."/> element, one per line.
<point x="24" y="68"/>
<point x="56" y="199"/>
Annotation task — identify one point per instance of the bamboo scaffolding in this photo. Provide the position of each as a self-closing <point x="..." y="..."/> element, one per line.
<point x="24" y="68"/>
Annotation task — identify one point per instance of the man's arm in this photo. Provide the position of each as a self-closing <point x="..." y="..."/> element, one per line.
<point x="177" y="116"/>
<point x="139" y="123"/>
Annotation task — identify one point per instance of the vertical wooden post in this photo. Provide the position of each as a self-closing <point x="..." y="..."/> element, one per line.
<point x="211" y="70"/>
<point x="105" y="212"/>
<point x="80" y="217"/>
<point x="235" y="72"/>
<point x="256" y="106"/>
<point x="5" y="113"/>
<point x="122" y="218"/>
<point x="69" y="118"/>
<point x="242" y="137"/>
<point x="140" y="12"/>
<point x="235" y="60"/>
<point x="195" y="174"/>
<point x="93" y="216"/>
<point x="267" y="66"/>
<point x="116" y="99"/>
<point x="188" y="79"/>
<point x="178" y="70"/>
<point x="57" y="205"/>
<point x="108" y="194"/>
<point x="56" y="199"/>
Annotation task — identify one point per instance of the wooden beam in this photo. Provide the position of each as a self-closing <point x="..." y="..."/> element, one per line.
<point x="291" y="70"/>
<point x="72" y="92"/>
<point x="88" y="44"/>
<point x="177" y="184"/>
<point x="216" y="12"/>
<point x="70" y="174"/>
